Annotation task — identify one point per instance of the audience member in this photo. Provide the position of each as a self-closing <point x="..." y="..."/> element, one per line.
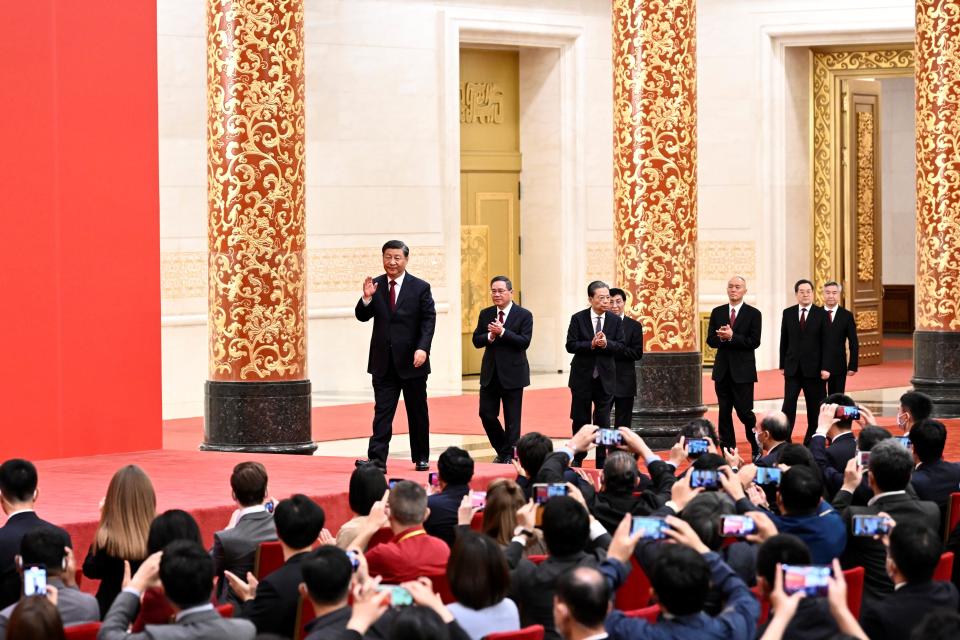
<point x="581" y="604"/>
<point x="185" y="570"/>
<point x="479" y="580"/>
<point x="843" y="444"/>
<point x="328" y="574"/>
<point x="125" y="517"/>
<point x="938" y="625"/>
<point x="701" y="428"/>
<point x="703" y="514"/>
<point x="772" y="433"/>
<point x="934" y="478"/>
<point x="18" y="497"/>
<point x="271" y="603"/>
<point x="915" y="407"/>
<point x="35" y="618"/>
<point x="504" y="498"/>
<point x="235" y="548"/>
<point x="367" y="485"/>
<point x="455" y="468"/>
<point x="532" y="449"/>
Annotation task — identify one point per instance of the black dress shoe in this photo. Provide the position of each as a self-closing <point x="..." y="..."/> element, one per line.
<point x="501" y="460"/>
<point x="423" y="465"/>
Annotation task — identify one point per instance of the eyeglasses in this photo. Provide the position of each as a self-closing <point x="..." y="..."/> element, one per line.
<point x="498" y="291"/>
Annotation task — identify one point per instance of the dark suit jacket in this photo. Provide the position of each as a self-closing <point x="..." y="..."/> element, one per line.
<point x="935" y="482"/>
<point x="899" y="613"/>
<point x="610" y="509"/>
<point x="735" y="357"/>
<point x="507" y="355"/>
<point x="443" y="506"/>
<point x="235" y="550"/>
<point x="334" y="622"/>
<point x="771" y="459"/>
<point x="579" y="336"/>
<point x="402" y="332"/>
<point x="842" y="330"/>
<point x="274" y="608"/>
<point x="10" y="536"/>
<point x="871" y="554"/>
<point x="804" y="353"/>
<point x="200" y="625"/>
<point x="631" y="337"/>
<point x="813" y="621"/>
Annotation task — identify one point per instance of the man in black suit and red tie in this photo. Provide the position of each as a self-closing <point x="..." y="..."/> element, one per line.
<point x="503" y="332"/>
<point x="591" y="338"/>
<point x="404" y="318"/>
<point x="841" y="331"/>
<point x="734" y="331"/>
<point x="631" y="335"/>
<point x="804" y="352"/>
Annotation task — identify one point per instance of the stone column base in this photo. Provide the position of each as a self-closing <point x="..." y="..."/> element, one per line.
<point x="257" y="417"/>
<point x="936" y="370"/>
<point x="669" y="395"/>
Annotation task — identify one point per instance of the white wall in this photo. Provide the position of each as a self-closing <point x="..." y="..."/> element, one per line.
<point x="898" y="180"/>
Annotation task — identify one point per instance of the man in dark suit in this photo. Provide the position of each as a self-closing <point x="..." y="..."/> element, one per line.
<point x="503" y="332"/>
<point x="833" y="460"/>
<point x="734" y="331"/>
<point x="934" y="478"/>
<point x="327" y="577"/>
<point x="631" y="336"/>
<point x="772" y="433"/>
<point x="841" y="331"/>
<point x="582" y="601"/>
<point x="404" y="318"/>
<point x="803" y="355"/>
<point x="592" y="338"/>
<point x="18" y="496"/>
<point x="455" y="471"/>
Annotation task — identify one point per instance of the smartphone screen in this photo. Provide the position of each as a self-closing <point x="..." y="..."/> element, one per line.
<point x="813" y="580"/>
<point x="737" y="526"/>
<point x="543" y="492"/>
<point x="697" y="447"/>
<point x="478" y="499"/>
<point x="399" y="597"/>
<point x="269" y="506"/>
<point x="706" y="478"/>
<point x="847" y="413"/>
<point x="608" y="437"/>
<point x="649" y="527"/>
<point x="354" y="556"/>
<point x="767" y="476"/>
<point x="863" y="459"/>
<point x="35" y="581"/>
<point x="434" y="478"/>
<point x="393" y="481"/>
<point x="869" y="526"/>
<point x="905" y="441"/>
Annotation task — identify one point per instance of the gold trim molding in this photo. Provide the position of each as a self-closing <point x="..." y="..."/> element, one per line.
<point x="720" y="259"/>
<point x="866" y="183"/>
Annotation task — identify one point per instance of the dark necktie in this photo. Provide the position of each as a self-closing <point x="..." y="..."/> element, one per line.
<point x="597" y="329"/>
<point x="500" y="317"/>
<point x="831" y="316"/>
<point x="733" y="316"/>
<point x="803" y="319"/>
<point x="393" y="295"/>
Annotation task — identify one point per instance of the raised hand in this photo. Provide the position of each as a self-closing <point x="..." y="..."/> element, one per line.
<point x="369" y="287"/>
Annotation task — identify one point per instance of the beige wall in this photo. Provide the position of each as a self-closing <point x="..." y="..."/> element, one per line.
<point x="898" y="141"/>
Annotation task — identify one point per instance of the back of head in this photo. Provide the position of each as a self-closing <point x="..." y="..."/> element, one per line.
<point x="800" y="490"/>
<point x="367" y="485"/>
<point x="586" y="594"/>
<point x="797" y="455"/>
<point x="299" y="521"/>
<point x="504" y="497"/>
<point x="681" y="579"/>
<point x="841" y="400"/>
<point x="477" y="571"/>
<point x="928" y="439"/>
<point x="327" y="573"/>
<point x="701" y="428"/>
<point x="419" y="623"/>
<point x="891" y="465"/>
<point x="249" y="483"/>
<point x="408" y="503"/>
<point x="777" y="425"/>
<point x="709" y="461"/>
<point x="18" y="480"/>
<point x="870" y="436"/>
<point x="174" y="524"/>
<point x="784" y="549"/>
<point x="918" y="404"/>
<point x="532" y="449"/>
<point x="455" y="466"/>
<point x="939" y="624"/>
<point x="46" y="546"/>
<point x="565" y="525"/>
<point x="186" y="571"/>
<point x="620" y="474"/>
<point x="35" y="618"/>
<point x="703" y="514"/>
<point x="916" y="550"/>
<point x="128" y="511"/>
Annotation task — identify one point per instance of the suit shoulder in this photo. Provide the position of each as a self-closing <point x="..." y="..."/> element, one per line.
<point x="721" y="308"/>
<point x="419" y="282"/>
<point x="631" y="322"/>
<point x="751" y="309"/>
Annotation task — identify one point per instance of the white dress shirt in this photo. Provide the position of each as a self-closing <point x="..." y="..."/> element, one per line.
<point x="496" y="316"/>
<point x="800" y="312"/>
<point x="396" y="288"/>
<point x="593" y="321"/>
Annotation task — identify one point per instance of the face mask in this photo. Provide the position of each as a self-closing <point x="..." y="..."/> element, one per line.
<point x="902" y="420"/>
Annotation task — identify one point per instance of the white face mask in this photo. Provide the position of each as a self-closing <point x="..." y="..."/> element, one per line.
<point x="902" y="419"/>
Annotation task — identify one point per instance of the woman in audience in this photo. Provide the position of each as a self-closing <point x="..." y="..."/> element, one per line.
<point x="479" y="580"/>
<point x="504" y="497"/>
<point x="367" y="485"/>
<point x="125" y="518"/>
<point x="35" y="618"/>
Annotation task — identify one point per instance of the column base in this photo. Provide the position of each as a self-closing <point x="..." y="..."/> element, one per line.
<point x="936" y="370"/>
<point x="257" y="417"/>
<point x="669" y="395"/>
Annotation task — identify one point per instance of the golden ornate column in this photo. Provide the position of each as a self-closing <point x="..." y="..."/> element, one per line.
<point x="936" y="360"/>
<point x="258" y="394"/>
<point x="655" y="201"/>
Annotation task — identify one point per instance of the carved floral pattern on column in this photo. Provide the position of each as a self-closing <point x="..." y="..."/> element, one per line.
<point x="255" y="190"/>
<point x="655" y="167"/>
<point x="938" y="165"/>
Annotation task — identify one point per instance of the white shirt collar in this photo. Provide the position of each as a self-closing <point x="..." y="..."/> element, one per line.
<point x="594" y="315"/>
<point x="257" y="508"/>
<point x="736" y="307"/>
<point x="831" y="309"/>
<point x="19" y="511"/>
<point x="398" y="279"/>
<point x="197" y="609"/>
<point x="805" y="307"/>
<point x="884" y="494"/>
<point x="506" y="309"/>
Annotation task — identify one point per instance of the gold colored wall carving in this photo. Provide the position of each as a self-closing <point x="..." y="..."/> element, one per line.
<point x="867" y="320"/>
<point x="938" y="165"/>
<point x="183" y="274"/>
<point x="474" y="267"/>
<point x="866" y="183"/>
<point x="255" y="190"/>
<point x="481" y="103"/>
<point x="601" y="263"/>
<point x="655" y="167"/>
<point x="720" y="259"/>
<point x="343" y="269"/>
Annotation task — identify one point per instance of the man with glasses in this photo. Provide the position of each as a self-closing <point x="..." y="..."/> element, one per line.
<point x="503" y="331"/>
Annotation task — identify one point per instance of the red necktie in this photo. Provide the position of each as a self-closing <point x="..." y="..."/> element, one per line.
<point x="733" y="316"/>
<point x="393" y="295"/>
<point x="831" y="316"/>
<point x="500" y="317"/>
<point x="803" y="319"/>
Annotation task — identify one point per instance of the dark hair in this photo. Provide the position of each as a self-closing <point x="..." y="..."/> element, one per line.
<point x="586" y="593"/>
<point x="832" y="283"/>
<point x="419" y="623"/>
<point x="843" y="401"/>
<point x="367" y="485"/>
<point x="299" y="521"/>
<point x="703" y="515"/>
<point x="939" y="624"/>
<point x="249" y="483"/>
<point x="870" y="436"/>
<point x="566" y="526"/>
<point x="504" y="279"/>
<point x="681" y="579"/>
<point x="783" y="548"/>
<point x="593" y="286"/>
<point x="796" y="287"/>
<point x="928" y="439"/>
<point x="408" y="503"/>
<point x="701" y="428"/>
<point x="918" y="404"/>
<point x="711" y="461"/>
<point x="800" y="490"/>
<point x="916" y="549"/>
<point x="396" y="244"/>
<point x="46" y="546"/>
<point x="890" y="465"/>
<point x="477" y="571"/>
<point x="327" y="573"/>
<point x="35" y="618"/>
<point x="173" y="524"/>
<point x="18" y="480"/>
<point x="796" y="455"/>
<point x="186" y="571"/>
<point x="620" y="474"/>
<point x="455" y="466"/>
<point x="618" y="292"/>
<point x="777" y="425"/>
<point x="532" y="449"/>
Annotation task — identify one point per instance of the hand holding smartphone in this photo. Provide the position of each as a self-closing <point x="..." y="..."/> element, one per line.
<point x="696" y="447"/>
<point x="650" y="528"/>
<point x="35" y="580"/>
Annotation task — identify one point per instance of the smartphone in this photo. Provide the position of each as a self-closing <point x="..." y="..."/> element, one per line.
<point x="393" y="482"/>
<point x="696" y="447"/>
<point x="478" y="499"/>
<point x="608" y="437"/>
<point x="847" y="413"/>
<point x="35" y="580"/>
<point x="433" y="479"/>
<point x="543" y="492"/>
<point x="706" y="478"/>
<point x="811" y="579"/>
<point x="905" y="441"/>
<point x="354" y="556"/>
<point x="649" y="527"/>
<point x="269" y="506"/>
<point x="767" y="476"/>
<point x="869" y="526"/>
<point x="515" y="455"/>
<point x="737" y="526"/>
<point x="399" y="597"/>
<point x="863" y="459"/>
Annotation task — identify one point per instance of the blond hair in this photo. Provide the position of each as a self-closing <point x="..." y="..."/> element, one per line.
<point x="128" y="510"/>
<point x="504" y="497"/>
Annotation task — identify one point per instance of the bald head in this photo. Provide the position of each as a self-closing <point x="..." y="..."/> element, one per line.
<point x="736" y="289"/>
<point x="777" y="426"/>
<point x="582" y="598"/>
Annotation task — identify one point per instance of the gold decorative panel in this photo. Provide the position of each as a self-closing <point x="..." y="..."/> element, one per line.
<point x="709" y="353"/>
<point x="481" y="103"/>
<point x="720" y="259"/>
<point x="601" y="263"/>
<point x="474" y="261"/>
<point x="867" y="320"/>
<point x="866" y="184"/>
<point x="183" y="274"/>
<point x="343" y="269"/>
